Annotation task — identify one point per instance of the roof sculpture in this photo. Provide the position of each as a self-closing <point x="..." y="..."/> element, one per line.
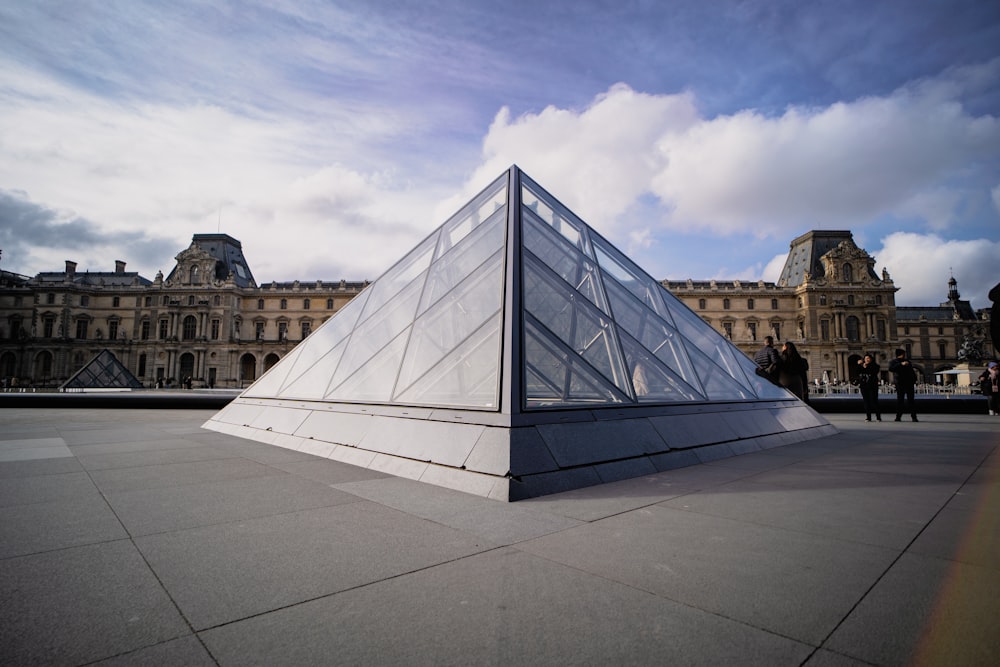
<point x="515" y="352"/>
<point x="104" y="371"/>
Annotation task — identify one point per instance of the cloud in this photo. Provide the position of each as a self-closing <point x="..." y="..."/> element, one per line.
<point x="920" y="264"/>
<point x="915" y="152"/>
<point x="37" y="236"/>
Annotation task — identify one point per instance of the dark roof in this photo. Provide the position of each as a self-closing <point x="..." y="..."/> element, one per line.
<point x="229" y="255"/>
<point x="804" y="253"/>
<point x="92" y="279"/>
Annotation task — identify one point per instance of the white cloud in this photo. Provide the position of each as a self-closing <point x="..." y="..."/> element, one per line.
<point x="843" y="166"/>
<point x="920" y="264"/>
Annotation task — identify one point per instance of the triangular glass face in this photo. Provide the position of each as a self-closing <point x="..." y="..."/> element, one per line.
<point x="415" y="333"/>
<point x="103" y="372"/>
<point x="595" y="329"/>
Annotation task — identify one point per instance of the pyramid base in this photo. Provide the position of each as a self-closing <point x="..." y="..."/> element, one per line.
<point x="511" y="463"/>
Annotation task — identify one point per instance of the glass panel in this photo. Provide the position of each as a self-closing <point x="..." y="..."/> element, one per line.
<point x="653" y="333"/>
<point x="456" y="266"/>
<point x="452" y="319"/>
<point x="718" y="384"/>
<point x="574" y="320"/>
<point x="373" y="382"/>
<point x="763" y="387"/>
<point x="313" y="382"/>
<point x="327" y="336"/>
<point x="492" y="202"/>
<point x="652" y="381"/>
<point x="270" y="383"/>
<point x="572" y="266"/>
<point x="372" y="334"/>
<point x="465" y="378"/>
<point x="400" y="276"/>
<point x="556" y="217"/>
<point x="630" y="276"/>
<point x="701" y="336"/>
<point x="555" y="376"/>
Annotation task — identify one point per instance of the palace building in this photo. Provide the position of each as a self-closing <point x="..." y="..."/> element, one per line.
<point x="209" y="320"/>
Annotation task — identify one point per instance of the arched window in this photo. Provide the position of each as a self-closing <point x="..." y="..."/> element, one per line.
<point x="853" y="328"/>
<point x="43" y="365"/>
<point x="248" y="368"/>
<point x="750" y="305"/>
<point x="774" y="304"/>
<point x="260" y="304"/>
<point x="305" y="304"/>
<point x="848" y="273"/>
<point x="725" y="304"/>
<point x="329" y="304"/>
<point x="190" y="329"/>
<point x="284" y="304"/>
<point x="269" y="361"/>
<point x="701" y="304"/>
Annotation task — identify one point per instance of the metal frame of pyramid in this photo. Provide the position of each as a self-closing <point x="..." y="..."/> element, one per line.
<point x="104" y="371"/>
<point x="514" y="353"/>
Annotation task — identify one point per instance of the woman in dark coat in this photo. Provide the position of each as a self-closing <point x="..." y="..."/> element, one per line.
<point x="792" y="370"/>
<point x="868" y="380"/>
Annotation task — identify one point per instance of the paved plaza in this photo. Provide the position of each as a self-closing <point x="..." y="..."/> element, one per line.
<point x="135" y="537"/>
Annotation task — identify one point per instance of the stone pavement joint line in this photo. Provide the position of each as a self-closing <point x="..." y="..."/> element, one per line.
<point x="151" y="540"/>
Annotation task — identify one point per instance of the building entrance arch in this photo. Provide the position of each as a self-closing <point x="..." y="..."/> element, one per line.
<point x="248" y="369"/>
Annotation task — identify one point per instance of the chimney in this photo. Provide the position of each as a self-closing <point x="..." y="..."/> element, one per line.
<point x="70" y="269"/>
<point x="119" y="266"/>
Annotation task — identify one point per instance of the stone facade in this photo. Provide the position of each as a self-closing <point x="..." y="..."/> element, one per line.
<point x="210" y="321"/>
<point x="832" y="304"/>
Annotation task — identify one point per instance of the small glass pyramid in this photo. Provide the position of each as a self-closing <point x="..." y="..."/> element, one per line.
<point x="515" y="305"/>
<point x="104" y="371"/>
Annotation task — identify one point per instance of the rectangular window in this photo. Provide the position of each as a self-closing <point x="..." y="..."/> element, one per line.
<point x="47" y="326"/>
<point x="701" y="304"/>
<point x="824" y="329"/>
<point x="880" y="328"/>
<point x="306" y="329"/>
<point x="728" y="328"/>
<point x="259" y="330"/>
<point x="149" y="301"/>
<point x="282" y="330"/>
<point x="113" y="329"/>
<point x="774" y="304"/>
<point x="749" y="304"/>
<point x="776" y="326"/>
<point x="81" y="329"/>
<point x="943" y="350"/>
<point x="215" y="329"/>
<point x="752" y="327"/>
<point x="84" y="300"/>
<point x="163" y="329"/>
<point x="50" y="298"/>
<point x="142" y="365"/>
<point x="116" y="301"/>
<point x="144" y="330"/>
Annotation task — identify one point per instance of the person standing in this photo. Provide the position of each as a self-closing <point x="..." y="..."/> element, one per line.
<point x="868" y="380"/>
<point x="906" y="383"/>
<point x="767" y="358"/>
<point x="792" y="369"/>
<point x="989" y="383"/>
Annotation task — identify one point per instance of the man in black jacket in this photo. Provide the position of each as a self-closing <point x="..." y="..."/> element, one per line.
<point x="906" y="382"/>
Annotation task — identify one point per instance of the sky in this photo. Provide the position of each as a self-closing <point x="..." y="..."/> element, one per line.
<point x="330" y="136"/>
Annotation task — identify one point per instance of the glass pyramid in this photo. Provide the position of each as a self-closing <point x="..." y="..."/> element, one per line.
<point x="103" y="372"/>
<point x="515" y="305"/>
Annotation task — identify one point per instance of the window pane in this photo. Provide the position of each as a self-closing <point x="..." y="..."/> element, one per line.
<point x="574" y="320"/>
<point x="571" y="265"/>
<point x="462" y="260"/>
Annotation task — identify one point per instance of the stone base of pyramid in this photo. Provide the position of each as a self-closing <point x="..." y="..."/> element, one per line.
<point x="560" y="451"/>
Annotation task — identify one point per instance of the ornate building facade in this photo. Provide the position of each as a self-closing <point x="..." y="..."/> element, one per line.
<point x="209" y="320"/>
<point x="832" y="304"/>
